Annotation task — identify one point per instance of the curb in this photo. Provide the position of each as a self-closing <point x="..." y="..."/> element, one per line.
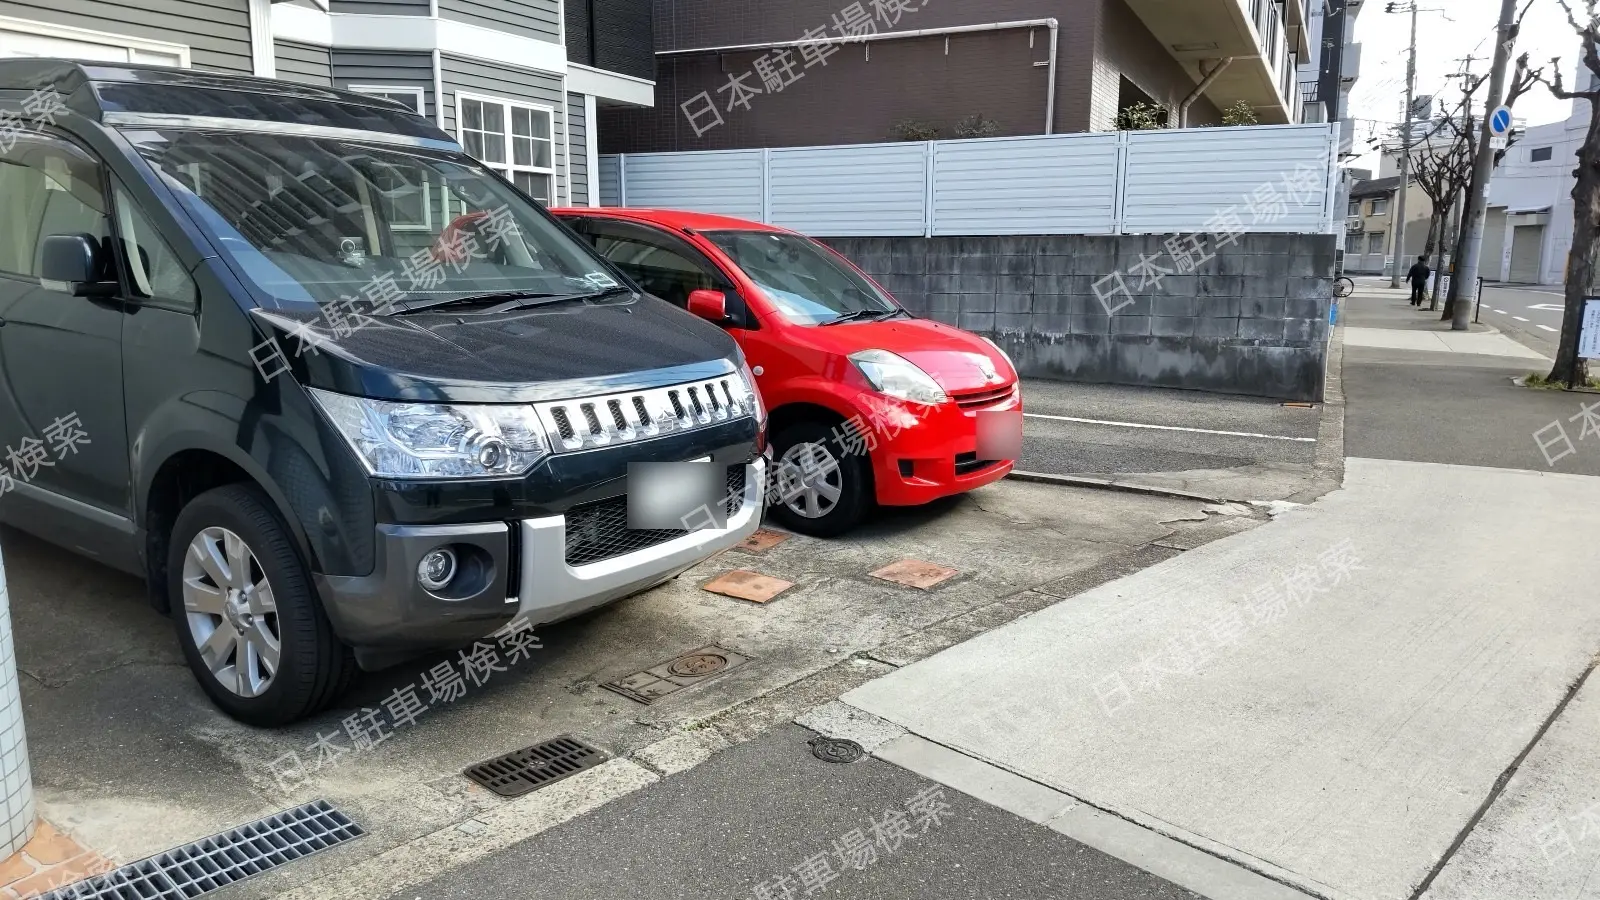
<point x="1106" y="484"/>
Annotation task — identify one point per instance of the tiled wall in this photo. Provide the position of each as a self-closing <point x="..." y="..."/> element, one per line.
<point x="15" y="779"/>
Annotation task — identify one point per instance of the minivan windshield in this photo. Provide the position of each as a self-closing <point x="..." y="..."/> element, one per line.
<point x="322" y="220"/>
<point x="808" y="283"/>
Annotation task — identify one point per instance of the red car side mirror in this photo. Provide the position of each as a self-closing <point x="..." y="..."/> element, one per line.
<point x="709" y="305"/>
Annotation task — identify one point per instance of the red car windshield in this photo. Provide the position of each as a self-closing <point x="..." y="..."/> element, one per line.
<point x="805" y="281"/>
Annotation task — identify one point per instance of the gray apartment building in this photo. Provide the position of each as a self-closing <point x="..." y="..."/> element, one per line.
<point x="846" y="71"/>
<point x="521" y="83"/>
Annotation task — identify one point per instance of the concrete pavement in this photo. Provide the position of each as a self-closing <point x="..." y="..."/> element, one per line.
<point x="1337" y="739"/>
<point x="1347" y="739"/>
<point x="96" y="660"/>
<point x="1478" y="344"/>
<point x="1541" y="838"/>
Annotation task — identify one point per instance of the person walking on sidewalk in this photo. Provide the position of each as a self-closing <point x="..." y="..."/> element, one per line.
<point x="1418" y="276"/>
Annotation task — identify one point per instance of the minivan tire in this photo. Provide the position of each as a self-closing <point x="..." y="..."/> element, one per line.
<point x="855" y="482"/>
<point x="314" y="667"/>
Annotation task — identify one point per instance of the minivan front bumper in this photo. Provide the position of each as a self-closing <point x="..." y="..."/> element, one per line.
<point x="387" y="615"/>
<point x="552" y="590"/>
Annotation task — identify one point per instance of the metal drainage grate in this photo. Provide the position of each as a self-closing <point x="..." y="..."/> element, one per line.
<point x="534" y="767"/>
<point x="215" y="862"/>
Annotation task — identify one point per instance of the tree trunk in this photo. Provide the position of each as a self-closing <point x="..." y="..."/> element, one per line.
<point x="1445" y="221"/>
<point x="1458" y="253"/>
<point x="1434" y="225"/>
<point x="1569" y="367"/>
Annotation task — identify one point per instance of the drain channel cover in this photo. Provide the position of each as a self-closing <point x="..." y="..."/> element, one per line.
<point x="215" y="862"/>
<point x="532" y="768"/>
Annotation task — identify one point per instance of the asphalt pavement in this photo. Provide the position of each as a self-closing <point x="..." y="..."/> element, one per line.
<point x="770" y="821"/>
<point x="1533" y="310"/>
<point x="1092" y="429"/>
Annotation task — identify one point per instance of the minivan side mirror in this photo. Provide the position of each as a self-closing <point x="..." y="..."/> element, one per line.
<point x="709" y="305"/>
<point x="75" y="260"/>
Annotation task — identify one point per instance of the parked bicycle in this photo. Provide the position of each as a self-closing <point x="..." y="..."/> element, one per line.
<point x="1343" y="286"/>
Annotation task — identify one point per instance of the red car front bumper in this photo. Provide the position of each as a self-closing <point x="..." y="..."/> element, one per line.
<point x="934" y="452"/>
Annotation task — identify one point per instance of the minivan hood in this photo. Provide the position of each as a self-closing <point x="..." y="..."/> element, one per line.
<point x="560" y="351"/>
<point x="958" y="360"/>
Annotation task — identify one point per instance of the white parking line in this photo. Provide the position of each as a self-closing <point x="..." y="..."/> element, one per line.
<point x="1519" y="318"/>
<point x="1500" y="311"/>
<point x="1244" y="434"/>
<point x="1548" y="328"/>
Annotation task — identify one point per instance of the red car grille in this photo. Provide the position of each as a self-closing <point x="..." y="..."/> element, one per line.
<point x="987" y="397"/>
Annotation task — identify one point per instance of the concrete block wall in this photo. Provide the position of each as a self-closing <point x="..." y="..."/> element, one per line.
<point x="1252" y="320"/>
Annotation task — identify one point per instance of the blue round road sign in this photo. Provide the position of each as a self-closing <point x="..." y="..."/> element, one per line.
<point x="1500" y="121"/>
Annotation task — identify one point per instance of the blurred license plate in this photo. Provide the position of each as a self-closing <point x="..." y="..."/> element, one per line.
<point x="670" y="496"/>
<point x="1000" y="434"/>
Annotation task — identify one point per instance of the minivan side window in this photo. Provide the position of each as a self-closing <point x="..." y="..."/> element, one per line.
<point x="658" y="267"/>
<point x="154" y="269"/>
<point x="47" y="186"/>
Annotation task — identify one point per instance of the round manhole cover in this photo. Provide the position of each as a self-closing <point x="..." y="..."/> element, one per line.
<point x="698" y="665"/>
<point x="836" y="751"/>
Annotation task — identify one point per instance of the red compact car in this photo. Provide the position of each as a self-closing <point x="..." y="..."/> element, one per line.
<point x="868" y="403"/>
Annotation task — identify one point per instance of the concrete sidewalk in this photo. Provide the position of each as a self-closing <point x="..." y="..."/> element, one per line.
<point x="1337" y="739"/>
<point x="1335" y="699"/>
<point x="1440" y="341"/>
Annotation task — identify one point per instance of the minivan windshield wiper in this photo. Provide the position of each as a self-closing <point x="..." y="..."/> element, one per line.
<point x="543" y="299"/>
<point x="411" y="306"/>
<point x="511" y="300"/>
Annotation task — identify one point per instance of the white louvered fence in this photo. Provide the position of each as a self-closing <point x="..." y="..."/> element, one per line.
<point x="1273" y="178"/>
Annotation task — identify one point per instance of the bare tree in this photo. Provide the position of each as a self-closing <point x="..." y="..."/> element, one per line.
<point x="1442" y="165"/>
<point x="1522" y="81"/>
<point x="1569" y="367"/>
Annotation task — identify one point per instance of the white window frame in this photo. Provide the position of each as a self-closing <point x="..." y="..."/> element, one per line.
<point x="1380" y="206"/>
<point x="509" y="167"/>
<point x="89" y="36"/>
<point x="419" y="93"/>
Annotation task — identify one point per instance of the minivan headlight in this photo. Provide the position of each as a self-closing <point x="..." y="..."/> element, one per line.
<point x="897" y="376"/>
<point x="397" y="439"/>
<point x="749" y="376"/>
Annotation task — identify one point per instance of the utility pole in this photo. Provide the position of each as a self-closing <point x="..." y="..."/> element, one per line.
<point x="1478" y="200"/>
<point x="1405" y="151"/>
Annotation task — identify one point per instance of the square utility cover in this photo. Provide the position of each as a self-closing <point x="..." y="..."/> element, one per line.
<point x="676" y="674"/>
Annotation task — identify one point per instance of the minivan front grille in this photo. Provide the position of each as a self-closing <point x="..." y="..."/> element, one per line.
<point x="599" y="531"/>
<point x="612" y="419"/>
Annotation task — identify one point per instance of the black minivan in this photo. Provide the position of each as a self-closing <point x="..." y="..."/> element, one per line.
<point x="338" y="392"/>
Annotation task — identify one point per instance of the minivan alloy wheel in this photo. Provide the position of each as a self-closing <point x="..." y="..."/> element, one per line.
<point x="811" y="481"/>
<point x="232" y="614"/>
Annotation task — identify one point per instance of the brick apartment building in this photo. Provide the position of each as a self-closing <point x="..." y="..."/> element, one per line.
<point x="938" y="61"/>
